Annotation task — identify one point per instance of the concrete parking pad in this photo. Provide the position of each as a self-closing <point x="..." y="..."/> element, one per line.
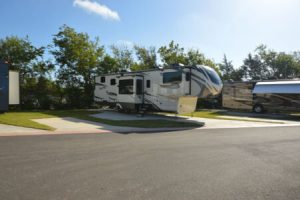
<point x="209" y="123"/>
<point x="8" y="130"/>
<point x="221" y="124"/>
<point x="73" y="125"/>
<point x="69" y="125"/>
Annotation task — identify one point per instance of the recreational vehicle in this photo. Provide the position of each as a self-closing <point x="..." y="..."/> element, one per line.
<point x="157" y="89"/>
<point x="238" y="95"/>
<point x="268" y="96"/>
<point x="276" y="96"/>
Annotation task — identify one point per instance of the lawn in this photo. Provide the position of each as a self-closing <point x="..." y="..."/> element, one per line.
<point x="24" y="119"/>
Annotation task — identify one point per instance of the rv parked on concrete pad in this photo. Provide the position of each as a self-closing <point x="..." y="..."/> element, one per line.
<point x="156" y="89"/>
<point x="238" y="95"/>
<point x="276" y="96"/>
<point x="271" y="96"/>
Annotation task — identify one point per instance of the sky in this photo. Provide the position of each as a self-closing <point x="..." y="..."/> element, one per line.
<point x="215" y="27"/>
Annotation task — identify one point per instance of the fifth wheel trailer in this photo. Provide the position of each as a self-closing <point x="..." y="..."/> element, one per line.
<point x="157" y="89"/>
<point x="9" y="87"/>
<point x="270" y="96"/>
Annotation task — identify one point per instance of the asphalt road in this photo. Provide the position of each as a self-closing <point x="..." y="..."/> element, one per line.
<point x="256" y="163"/>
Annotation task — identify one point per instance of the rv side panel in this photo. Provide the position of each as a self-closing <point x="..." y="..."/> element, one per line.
<point x="238" y="95"/>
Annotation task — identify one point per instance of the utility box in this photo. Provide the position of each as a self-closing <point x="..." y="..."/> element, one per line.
<point x="3" y="87"/>
<point x="9" y="87"/>
<point x="13" y="88"/>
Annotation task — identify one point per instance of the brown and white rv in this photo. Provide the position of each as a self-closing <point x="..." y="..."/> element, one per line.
<point x="270" y="96"/>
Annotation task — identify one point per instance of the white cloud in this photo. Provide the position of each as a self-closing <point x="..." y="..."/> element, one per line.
<point x="94" y="7"/>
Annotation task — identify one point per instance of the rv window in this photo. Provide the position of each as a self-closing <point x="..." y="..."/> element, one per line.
<point x="103" y="79"/>
<point x="126" y="86"/>
<point x="214" y="77"/>
<point x="139" y="86"/>
<point x="148" y="83"/>
<point x="188" y="76"/>
<point x="171" y="77"/>
<point x="113" y="81"/>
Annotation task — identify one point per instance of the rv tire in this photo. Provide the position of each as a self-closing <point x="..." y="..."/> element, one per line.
<point x="258" y="108"/>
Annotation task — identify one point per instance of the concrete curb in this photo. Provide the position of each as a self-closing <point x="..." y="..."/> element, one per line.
<point x="133" y="130"/>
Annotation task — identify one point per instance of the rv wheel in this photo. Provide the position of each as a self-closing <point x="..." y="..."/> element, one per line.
<point x="119" y="107"/>
<point x="258" y="108"/>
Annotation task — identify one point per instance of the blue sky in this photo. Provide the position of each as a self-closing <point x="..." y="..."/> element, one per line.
<point x="215" y="27"/>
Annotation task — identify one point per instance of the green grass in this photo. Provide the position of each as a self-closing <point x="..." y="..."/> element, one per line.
<point x="206" y="114"/>
<point x="24" y="119"/>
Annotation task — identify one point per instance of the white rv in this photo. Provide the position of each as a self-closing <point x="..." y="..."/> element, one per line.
<point x="157" y="89"/>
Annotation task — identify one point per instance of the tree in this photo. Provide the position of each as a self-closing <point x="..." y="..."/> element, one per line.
<point x="286" y="66"/>
<point x="108" y="65"/>
<point x="146" y="57"/>
<point x="123" y="56"/>
<point x="194" y="57"/>
<point x="172" y="54"/>
<point x="254" y="69"/>
<point x="226" y="68"/>
<point x="281" y="65"/>
<point x="79" y="59"/>
<point x="22" y="56"/>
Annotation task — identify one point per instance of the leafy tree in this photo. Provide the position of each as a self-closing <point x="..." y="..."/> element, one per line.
<point x="281" y="65"/>
<point x="226" y="68"/>
<point x="123" y="56"/>
<point x="254" y="68"/>
<point x="146" y="57"/>
<point x="79" y="59"/>
<point x="286" y="66"/>
<point x="237" y="74"/>
<point x="172" y="54"/>
<point x="108" y="65"/>
<point x="27" y="59"/>
<point x="195" y="57"/>
<point x="20" y="54"/>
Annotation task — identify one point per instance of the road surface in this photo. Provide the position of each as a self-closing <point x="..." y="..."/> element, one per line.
<point x="248" y="163"/>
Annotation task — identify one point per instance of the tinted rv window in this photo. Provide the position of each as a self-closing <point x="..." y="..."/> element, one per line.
<point x="148" y="83"/>
<point x="126" y="86"/>
<point x="113" y="81"/>
<point x="103" y="79"/>
<point x="139" y="86"/>
<point x="170" y="77"/>
<point x="214" y="77"/>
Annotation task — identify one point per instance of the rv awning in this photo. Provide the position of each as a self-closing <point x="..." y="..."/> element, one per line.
<point x="280" y="87"/>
